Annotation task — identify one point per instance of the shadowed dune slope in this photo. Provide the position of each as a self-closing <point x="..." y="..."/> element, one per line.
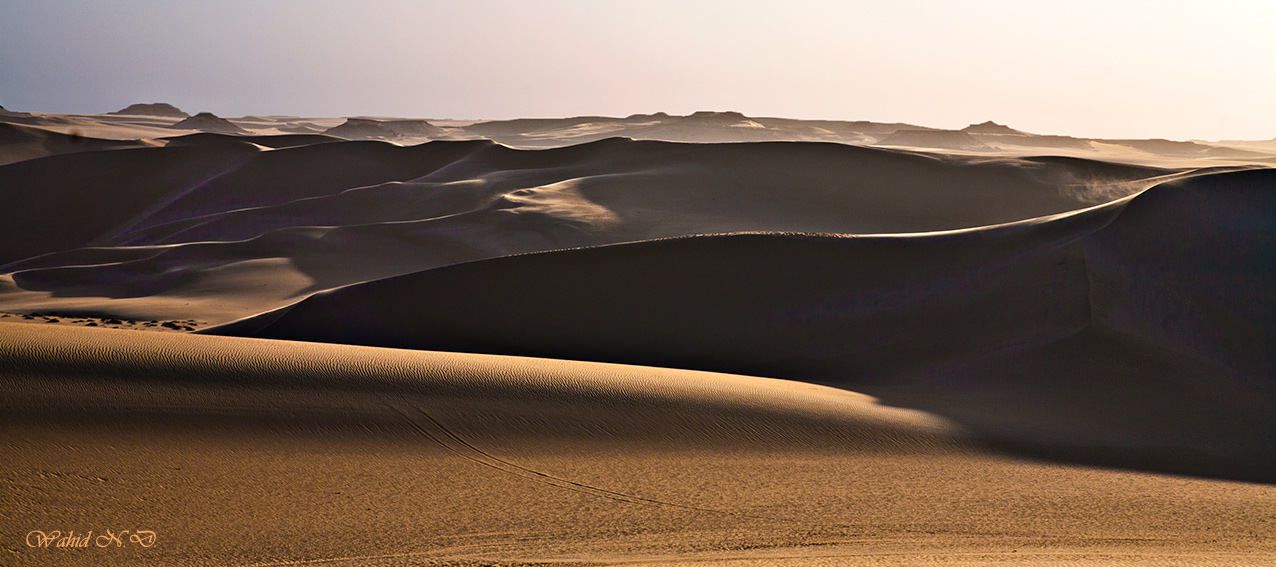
<point x="73" y="200"/>
<point x="1157" y="303"/>
<point x="96" y="198"/>
<point x="276" y="141"/>
<point x="288" y="174"/>
<point x="347" y="212"/>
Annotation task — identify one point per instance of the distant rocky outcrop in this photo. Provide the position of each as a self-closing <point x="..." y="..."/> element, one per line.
<point x="153" y="109"/>
<point x="990" y="127"/>
<point x="413" y="128"/>
<point x="710" y="118"/>
<point x="389" y="130"/>
<point x="646" y="117"/>
<point x="209" y="122"/>
<point x="363" y="129"/>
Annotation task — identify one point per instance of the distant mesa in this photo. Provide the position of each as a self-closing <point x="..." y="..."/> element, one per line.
<point x="389" y="130"/>
<point x="991" y="127"/>
<point x="939" y="139"/>
<point x="153" y="109"/>
<point x="209" y="122"/>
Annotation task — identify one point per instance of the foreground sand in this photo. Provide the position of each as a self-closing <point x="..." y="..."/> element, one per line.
<point x="257" y="452"/>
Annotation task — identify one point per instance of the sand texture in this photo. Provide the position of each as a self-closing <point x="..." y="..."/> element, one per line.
<point x="654" y="340"/>
<point x="238" y="451"/>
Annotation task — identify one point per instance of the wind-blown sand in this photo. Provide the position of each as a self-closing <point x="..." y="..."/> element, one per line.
<point x="1002" y="352"/>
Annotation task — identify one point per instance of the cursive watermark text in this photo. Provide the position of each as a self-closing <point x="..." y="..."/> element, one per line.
<point x="106" y="538"/>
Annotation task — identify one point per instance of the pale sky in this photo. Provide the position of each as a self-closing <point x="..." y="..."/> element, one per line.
<point x="1109" y="68"/>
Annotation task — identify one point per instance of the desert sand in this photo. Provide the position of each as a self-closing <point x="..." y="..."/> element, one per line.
<point x="654" y="340"/>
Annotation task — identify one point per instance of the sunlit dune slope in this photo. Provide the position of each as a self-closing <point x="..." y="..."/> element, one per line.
<point x="19" y="143"/>
<point x="246" y="451"/>
<point x="81" y="373"/>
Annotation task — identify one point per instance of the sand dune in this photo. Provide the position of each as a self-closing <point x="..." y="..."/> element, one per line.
<point x="177" y="183"/>
<point x="274" y="141"/>
<point x="19" y="143"/>
<point x="101" y="191"/>
<point x="239" y="451"/>
<point x="356" y="211"/>
<point x="974" y="309"/>
<point x="844" y="354"/>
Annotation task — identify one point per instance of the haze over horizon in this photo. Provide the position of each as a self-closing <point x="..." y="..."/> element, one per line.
<point x="1128" y="69"/>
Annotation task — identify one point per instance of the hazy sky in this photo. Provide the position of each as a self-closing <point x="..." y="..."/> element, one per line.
<point x="1109" y="68"/>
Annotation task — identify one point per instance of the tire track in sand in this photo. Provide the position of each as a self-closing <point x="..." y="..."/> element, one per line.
<point x="431" y="428"/>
